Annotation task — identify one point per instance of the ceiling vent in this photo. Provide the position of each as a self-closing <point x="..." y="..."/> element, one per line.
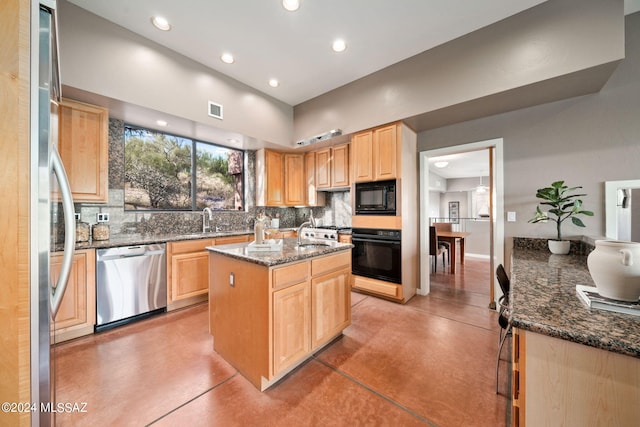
<point x="215" y="110"/>
<point x="323" y="137"/>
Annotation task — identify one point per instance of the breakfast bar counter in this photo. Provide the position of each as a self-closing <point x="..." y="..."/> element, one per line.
<point x="544" y="300"/>
<point x="571" y="365"/>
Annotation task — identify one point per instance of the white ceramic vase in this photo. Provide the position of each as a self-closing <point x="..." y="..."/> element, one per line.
<point x="559" y="247"/>
<point x="614" y="266"/>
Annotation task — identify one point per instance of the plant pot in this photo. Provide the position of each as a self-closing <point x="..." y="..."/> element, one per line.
<point x="614" y="266"/>
<point x="559" y="247"/>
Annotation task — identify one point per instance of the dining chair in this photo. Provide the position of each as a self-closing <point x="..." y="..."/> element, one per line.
<point x="504" y="314"/>
<point x="435" y="248"/>
<point x="444" y="226"/>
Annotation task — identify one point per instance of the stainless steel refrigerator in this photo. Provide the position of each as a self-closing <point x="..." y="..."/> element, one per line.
<point x="50" y="202"/>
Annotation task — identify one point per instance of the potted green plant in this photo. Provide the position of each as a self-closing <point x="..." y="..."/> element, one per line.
<point x="564" y="205"/>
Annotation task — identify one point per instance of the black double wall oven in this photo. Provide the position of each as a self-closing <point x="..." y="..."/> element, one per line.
<point x="377" y="254"/>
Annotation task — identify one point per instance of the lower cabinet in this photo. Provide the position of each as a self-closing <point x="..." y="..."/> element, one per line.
<point x="560" y="382"/>
<point x="377" y="287"/>
<point x="188" y="270"/>
<point x="331" y="310"/>
<point x="291" y="325"/>
<point x="76" y="316"/>
<point x="265" y="321"/>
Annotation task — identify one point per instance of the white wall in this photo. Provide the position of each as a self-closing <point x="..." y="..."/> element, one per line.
<point x="585" y="140"/>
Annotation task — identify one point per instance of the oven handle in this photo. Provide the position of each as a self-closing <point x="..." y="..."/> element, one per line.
<point x="357" y="239"/>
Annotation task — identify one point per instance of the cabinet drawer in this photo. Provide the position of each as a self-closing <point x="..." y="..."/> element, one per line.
<point x="290" y="274"/>
<point x="330" y="262"/>
<point x="234" y="239"/>
<point x="377" y="286"/>
<point x="187" y="246"/>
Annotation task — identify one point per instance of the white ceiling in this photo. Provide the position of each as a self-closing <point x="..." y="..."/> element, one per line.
<point x="462" y="165"/>
<point x="295" y="47"/>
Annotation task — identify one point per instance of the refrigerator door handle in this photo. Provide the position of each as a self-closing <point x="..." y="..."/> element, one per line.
<point x="69" y="231"/>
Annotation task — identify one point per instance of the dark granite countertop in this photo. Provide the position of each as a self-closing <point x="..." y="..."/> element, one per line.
<point x="544" y="300"/>
<point x="145" y="239"/>
<point x="289" y="253"/>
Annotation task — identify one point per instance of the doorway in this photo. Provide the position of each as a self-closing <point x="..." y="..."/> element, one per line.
<point x="496" y="220"/>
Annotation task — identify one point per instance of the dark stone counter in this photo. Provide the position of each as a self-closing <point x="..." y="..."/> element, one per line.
<point x="544" y="300"/>
<point x="290" y="252"/>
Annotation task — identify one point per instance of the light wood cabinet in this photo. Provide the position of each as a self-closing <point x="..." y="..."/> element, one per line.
<point x="291" y="326"/>
<point x="331" y="311"/>
<point x="272" y="188"/>
<point x="188" y="269"/>
<point x="344" y="238"/>
<point x="332" y="167"/>
<point x="295" y="191"/>
<point x="76" y="316"/>
<point x="559" y="382"/>
<point x="269" y="178"/>
<point x="375" y="154"/>
<point x="385" y="153"/>
<point x="265" y="321"/>
<point x="83" y="144"/>
<point x="362" y="156"/>
<point x="187" y="272"/>
<point x="313" y="197"/>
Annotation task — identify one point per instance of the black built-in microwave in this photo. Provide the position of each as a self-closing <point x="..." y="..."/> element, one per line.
<point x="376" y="198"/>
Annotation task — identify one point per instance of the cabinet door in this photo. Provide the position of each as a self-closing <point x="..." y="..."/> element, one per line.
<point x="77" y="314"/>
<point x="331" y="306"/>
<point x="362" y="156"/>
<point x="274" y="178"/>
<point x="384" y="153"/>
<point x="83" y="144"/>
<point x="189" y="275"/>
<point x="323" y="168"/>
<point x="340" y="166"/>
<point x="291" y="341"/>
<point x="313" y="198"/>
<point x="295" y="179"/>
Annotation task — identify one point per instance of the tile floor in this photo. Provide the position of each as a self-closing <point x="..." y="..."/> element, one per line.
<point x="430" y="362"/>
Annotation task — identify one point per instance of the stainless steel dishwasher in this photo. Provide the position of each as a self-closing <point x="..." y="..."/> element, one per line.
<point x="131" y="283"/>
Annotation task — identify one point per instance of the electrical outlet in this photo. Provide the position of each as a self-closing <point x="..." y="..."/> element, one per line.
<point x="76" y="216"/>
<point x="232" y="280"/>
<point x="102" y="217"/>
<point x="511" y="217"/>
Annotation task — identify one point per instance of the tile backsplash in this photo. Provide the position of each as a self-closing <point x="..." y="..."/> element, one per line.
<point x="336" y="212"/>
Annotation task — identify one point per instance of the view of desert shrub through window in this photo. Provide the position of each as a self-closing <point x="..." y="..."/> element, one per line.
<point x="169" y="172"/>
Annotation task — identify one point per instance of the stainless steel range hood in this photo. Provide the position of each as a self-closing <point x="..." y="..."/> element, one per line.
<point x="322" y="137"/>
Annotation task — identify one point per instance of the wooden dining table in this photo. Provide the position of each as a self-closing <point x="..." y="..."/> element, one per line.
<point x="451" y="237"/>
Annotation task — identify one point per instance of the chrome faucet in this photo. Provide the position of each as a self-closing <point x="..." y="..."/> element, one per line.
<point x="206" y="225"/>
<point x="311" y="222"/>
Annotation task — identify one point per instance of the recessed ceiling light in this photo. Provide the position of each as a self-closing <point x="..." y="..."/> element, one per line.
<point x="339" y="45"/>
<point x="441" y="164"/>
<point x="227" y="58"/>
<point x="161" y="123"/>
<point x="161" y="23"/>
<point x="274" y="83"/>
<point x="291" y="5"/>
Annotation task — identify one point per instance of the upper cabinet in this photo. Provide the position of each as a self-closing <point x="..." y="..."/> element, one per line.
<point x="312" y="197"/>
<point x="294" y="183"/>
<point x="374" y="154"/>
<point x="332" y="167"/>
<point x="269" y="178"/>
<point x="290" y="179"/>
<point x="84" y="148"/>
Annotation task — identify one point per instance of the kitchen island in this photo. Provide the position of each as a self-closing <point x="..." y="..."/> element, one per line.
<point x="572" y="365"/>
<point x="269" y="311"/>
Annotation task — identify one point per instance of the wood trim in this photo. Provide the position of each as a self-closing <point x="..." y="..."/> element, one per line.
<point x="378" y="287"/>
<point x="377" y="221"/>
